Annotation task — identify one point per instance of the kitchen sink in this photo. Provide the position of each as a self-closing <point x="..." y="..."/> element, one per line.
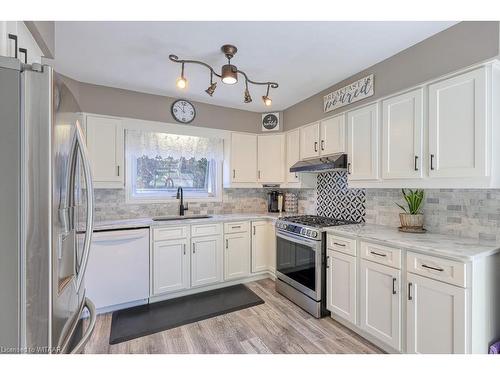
<point x="172" y="218"/>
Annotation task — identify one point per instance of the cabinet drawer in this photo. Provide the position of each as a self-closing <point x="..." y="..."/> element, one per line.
<point x="236" y="227"/>
<point x="381" y="254"/>
<point x="206" y="229"/>
<point x="341" y="244"/>
<point x="170" y="233"/>
<point x="440" y="269"/>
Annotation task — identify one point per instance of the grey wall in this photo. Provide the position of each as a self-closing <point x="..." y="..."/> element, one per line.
<point x="44" y="33"/>
<point x="463" y="44"/>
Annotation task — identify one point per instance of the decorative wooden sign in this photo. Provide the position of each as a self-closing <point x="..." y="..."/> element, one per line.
<point x="270" y="122"/>
<point x="358" y="90"/>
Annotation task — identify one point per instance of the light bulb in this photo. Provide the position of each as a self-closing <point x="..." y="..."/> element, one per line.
<point x="267" y="101"/>
<point x="181" y="82"/>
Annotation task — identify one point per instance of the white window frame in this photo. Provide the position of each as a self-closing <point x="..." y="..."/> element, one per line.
<point x="151" y="126"/>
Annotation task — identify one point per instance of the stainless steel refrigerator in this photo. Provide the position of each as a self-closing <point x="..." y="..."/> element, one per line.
<point x="46" y="213"/>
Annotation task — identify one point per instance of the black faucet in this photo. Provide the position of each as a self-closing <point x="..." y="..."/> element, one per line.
<point x="180" y="195"/>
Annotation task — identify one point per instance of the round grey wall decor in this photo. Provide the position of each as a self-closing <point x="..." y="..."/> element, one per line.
<point x="270" y="122"/>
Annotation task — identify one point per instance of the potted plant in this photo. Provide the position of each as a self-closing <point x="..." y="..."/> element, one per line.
<point x="412" y="219"/>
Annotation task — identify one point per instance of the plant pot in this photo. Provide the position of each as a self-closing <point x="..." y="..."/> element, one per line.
<point x="411" y="221"/>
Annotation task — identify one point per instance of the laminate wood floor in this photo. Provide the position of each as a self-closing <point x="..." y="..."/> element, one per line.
<point x="277" y="326"/>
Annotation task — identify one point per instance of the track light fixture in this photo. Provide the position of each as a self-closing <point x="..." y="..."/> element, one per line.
<point x="229" y="75"/>
<point x="212" y="87"/>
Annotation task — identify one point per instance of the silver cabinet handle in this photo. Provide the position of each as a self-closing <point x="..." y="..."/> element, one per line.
<point x="416" y="162"/>
<point x="259" y="174"/>
<point x="234" y="173"/>
<point x="194" y="248"/>
<point x="328" y="261"/>
<point x="184" y="248"/>
<point x="322" y="145"/>
<point x="348" y="168"/>
<point x="379" y="254"/>
<point x="393" y="285"/>
<point x="409" y="292"/>
<point x="118" y="170"/>
<point x="432" y="268"/>
<point x="254" y="230"/>
<point x="227" y="244"/>
<point x="339" y="244"/>
<point x="432" y="162"/>
<point x="315" y="146"/>
<point x="236" y="227"/>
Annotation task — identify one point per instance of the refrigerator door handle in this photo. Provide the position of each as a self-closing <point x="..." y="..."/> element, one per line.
<point x="90" y="204"/>
<point x="90" y="329"/>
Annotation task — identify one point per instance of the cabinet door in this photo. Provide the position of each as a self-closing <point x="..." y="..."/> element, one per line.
<point x="402" y="129"/>
<point x="381" y="302"/>
<point x="332" y="135"/>
<point x="435" y="317"/>
<point x="170" y="266"/>
<point x="236" y="255"/>
<point x="309" y="141"/>
<point x="292" y="155"/>
<point x="362" y="143"/>
<point x="243" y="157"/>
<point x="271" y="247"/>
<point x="271" y="158"/>
<point x="206" y="260"/>
<point x="458" y="126"/>
<point x="260" y="248"/>
<point x="341" y="285"/>
<point x="105" y="142"/>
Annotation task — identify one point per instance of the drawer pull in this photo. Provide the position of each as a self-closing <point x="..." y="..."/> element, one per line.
<point x="379" y="254"/>
<point x="227" y="243"/>
<point x="432" y="268"/>
<point x="339" y="244"/>
<point x="409" y="292"/>
<point x="184" y="249"/>
<point x="328" y="262"/>
<point x="393" y="285"/>
<point x="236" y="227"/>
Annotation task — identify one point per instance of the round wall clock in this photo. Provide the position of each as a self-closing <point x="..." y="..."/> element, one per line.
<point x="183" y="111"/>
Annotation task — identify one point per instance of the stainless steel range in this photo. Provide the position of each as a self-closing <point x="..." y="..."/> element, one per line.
<point x="301" y="260"/>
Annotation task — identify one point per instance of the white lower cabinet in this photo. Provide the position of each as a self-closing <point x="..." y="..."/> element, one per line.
<point x="171" y="266"/>
<point x="381" y="302"/>
<point x="341" y="285"/>
<point x="236" y="255"/>
<point x="263" y="247"/>
<point x="206" y="260"/>
<point x="436" y="316"/>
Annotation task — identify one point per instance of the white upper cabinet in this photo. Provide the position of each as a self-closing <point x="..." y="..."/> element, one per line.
<point x="458" y="126"/>
<point x="309" y="141"/>
<point x="292" y="155"/>
<point x="105" y="143"/>
<point x="243" y="157"/>
<point x="362" y="143"/>
<point x="402" y="129"/>
<point x="271" y="158"/>
<point x="332" y="134"/>
<point x="436" y="317"/>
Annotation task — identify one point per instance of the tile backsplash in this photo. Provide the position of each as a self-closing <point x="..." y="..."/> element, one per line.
<point x="111" y="205"/>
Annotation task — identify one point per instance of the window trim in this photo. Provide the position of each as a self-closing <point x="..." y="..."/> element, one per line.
<point x="131" y="199"/>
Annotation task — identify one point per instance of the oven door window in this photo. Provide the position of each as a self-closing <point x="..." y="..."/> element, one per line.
<point x="297" y="261"/>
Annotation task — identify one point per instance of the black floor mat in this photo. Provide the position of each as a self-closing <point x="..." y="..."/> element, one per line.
<point x="145" y="320"/>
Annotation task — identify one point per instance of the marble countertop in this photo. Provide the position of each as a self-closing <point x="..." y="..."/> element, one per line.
<point x="149" y="222"/>
<point x="430" y="243"/>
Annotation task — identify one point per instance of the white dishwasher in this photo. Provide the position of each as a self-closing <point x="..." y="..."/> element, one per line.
<point x="118" y="269"/>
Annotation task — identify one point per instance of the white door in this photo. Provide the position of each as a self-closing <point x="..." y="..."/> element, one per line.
<point x="402" y="129"/>
<point x="236" y="255"/>
<point x="380" y="305"/>
<point x="309" y="141"/>
<point x="292" y="155"/>
<point x="260" y="247"/>
<point x="436" y="317"/>
<point x="206" y="260"/>
<point x="458" y="126"/>
<point x="171" y="265"/>
<point x="243" y="157"/>
<point x="271" y="158"/>
<point x="341" y="285"/>
<point x="332" y="133"/>
<point x="105" y="142"/>
<point x="362" y="143"/>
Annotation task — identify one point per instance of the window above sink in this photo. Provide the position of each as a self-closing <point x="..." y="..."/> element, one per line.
<point x="158" y="163"/>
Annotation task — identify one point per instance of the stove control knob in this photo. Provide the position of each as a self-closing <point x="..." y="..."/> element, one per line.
<point x="308" y="232"/>
<point x="302" y="231"/>
<point x="314" y="234"/>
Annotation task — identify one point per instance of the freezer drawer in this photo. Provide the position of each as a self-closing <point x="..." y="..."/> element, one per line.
<point x="118" y="268"/>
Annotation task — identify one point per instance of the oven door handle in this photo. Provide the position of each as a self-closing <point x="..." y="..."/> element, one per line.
<point x="310" y="243"/>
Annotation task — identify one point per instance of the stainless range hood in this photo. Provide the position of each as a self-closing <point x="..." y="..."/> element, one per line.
<point x="324" y="164"/>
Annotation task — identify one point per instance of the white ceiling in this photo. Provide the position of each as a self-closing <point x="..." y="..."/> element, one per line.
<point x="303" y="57"/>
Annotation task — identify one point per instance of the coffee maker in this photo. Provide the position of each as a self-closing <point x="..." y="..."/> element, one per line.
<point x="274" y="200"/>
